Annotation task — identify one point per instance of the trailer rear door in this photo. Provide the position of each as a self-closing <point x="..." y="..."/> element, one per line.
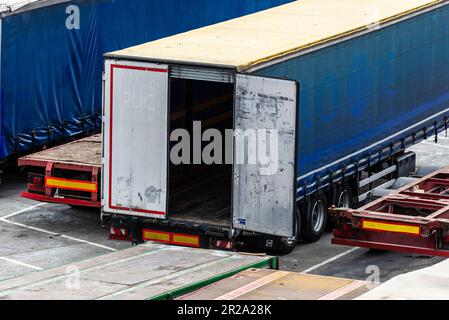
<point x="264" y="191"/>
<point x="136" y="140"/>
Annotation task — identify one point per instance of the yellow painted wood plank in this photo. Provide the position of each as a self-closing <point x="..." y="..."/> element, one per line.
<point x="250" y="40"/>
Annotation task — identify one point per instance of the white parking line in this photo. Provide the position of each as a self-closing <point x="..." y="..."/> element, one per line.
<point x="341" y="255"/>
<point x="23" y="264"/>
<point x="88" y="242"/>
<point x="60" y="235"/>
<point x="24" y="210"/>
<point x="29" y="227"/>
<point x="4" y="219"/>
<point x="436" y="144"/>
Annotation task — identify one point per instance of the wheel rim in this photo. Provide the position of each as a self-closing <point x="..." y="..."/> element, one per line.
<point x="318" y="216"/>
<point x="343" y="200"/>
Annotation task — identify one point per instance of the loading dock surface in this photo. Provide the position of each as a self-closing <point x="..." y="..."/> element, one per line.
<point x="262" y="284"/>
<point x="140" y="273"/>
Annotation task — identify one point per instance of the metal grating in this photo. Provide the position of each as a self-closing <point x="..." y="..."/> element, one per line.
<point x="204" y="74"/>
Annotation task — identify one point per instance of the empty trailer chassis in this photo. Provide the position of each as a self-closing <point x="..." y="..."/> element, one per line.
<point x="50" y="180"/>
<point x="413" y="219"/>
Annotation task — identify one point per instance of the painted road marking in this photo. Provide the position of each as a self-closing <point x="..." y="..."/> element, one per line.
<point x="24" y="210"/>
<point x="23" y="264"/>
<point x="29" y="227"/>
<point x="433" y="144"/>
<point x="341" y="255"/>
<point x="4" y="219"/>
<point x="83" y="271"/>
<point x="59" y="235"/>
<point x="88" y="242"/>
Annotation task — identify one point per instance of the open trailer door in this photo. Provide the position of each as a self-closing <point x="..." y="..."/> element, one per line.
<point x="135" y="138"/>
<point x="264" y="171"/>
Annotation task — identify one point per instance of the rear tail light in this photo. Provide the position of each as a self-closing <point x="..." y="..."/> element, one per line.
<point x="119" y="234"/>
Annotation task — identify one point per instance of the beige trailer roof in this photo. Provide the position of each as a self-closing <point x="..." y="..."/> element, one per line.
<point x="256" y="38"/>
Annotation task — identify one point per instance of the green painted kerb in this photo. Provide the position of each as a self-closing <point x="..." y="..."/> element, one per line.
<point x="269" y="262"/>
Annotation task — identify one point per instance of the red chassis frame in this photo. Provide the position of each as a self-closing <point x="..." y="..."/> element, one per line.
<point x="413" y="219"/>
<point x="38" y="191"/>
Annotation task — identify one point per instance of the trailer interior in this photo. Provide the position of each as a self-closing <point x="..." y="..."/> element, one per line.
<point x="201" y="193"/>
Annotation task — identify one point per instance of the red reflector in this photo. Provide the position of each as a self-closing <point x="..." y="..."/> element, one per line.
<point x="224" y="244"/>
<point x="119" y="234"/>
<point x="38" y="181"/>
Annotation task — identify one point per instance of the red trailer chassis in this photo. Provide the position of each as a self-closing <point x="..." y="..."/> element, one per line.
<point x="67" y="174"/>
<point x="413" y="219"/>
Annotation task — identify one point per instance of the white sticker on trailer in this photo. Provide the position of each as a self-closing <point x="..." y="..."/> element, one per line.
<point x="136" y="139"/>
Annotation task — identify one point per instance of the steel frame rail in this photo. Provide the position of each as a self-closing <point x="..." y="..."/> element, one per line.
<point x="414" y="219"/>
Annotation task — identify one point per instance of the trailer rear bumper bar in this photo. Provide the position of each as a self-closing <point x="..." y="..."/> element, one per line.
<point x="58" y="188"/>
<point x="413" y="219"/>
<point x="67" y="201"/>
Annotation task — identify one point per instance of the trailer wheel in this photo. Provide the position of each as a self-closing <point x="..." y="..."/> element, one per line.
<point x="315" y="219"/>
<point x="105" y="220"/>
<point x="344" y="198"/>
<point x="288" y="244"/>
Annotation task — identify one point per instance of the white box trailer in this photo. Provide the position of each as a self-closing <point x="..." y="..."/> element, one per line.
<point x="139" y="182"/>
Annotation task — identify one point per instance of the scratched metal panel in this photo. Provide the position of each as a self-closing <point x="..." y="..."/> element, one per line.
<point x="263" y="198"/>
<point x="136" y="146"/>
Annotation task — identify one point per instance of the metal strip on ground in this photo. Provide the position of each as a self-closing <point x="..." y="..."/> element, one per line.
<point x="252" y="286"/>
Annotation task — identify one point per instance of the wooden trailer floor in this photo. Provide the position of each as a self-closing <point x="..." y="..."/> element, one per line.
<point x="264" y="284"/>
<point x="205" y="199"/>
<point x="149" y="271"/>
<point x="85" y="151"/>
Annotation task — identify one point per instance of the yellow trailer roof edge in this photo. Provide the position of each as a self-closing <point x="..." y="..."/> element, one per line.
<point x="247" y="42"/>
<point x="337" y="37"/>
<point x="114" y="55"/>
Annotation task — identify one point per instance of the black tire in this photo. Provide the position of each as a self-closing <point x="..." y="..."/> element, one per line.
<point x="288" y="244"/>
<point x="105" y="220"/>
<point x="314" y="219"/>
<point x="343" y="198"/>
